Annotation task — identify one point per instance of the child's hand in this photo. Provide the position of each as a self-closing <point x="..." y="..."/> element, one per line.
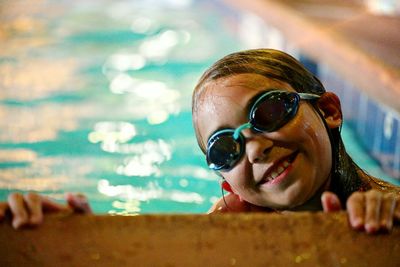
<point x="28" y="209"/>
<point x="372" y="211"/>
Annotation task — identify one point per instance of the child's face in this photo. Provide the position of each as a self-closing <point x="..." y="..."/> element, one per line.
<point x="303" y="141"/>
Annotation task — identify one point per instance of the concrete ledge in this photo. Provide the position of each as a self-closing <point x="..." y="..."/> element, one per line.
<point x="256" y="239"/>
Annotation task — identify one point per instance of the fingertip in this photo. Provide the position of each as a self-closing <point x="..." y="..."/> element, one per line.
<point x="397" y="214"/>
<point x="36" y="219"/>
<point x="371" y="230"/>
<point x="68" y="195"/>
<point x="386" y="225"/>
<point x="17" y="223"/>
<point x="357" y="223"/>
<point x="79" y="203"/>
<point x="330" y="202"/>
<point x="76" y="197"/>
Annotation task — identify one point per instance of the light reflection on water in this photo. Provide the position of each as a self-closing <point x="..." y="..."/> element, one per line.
<point x="95" y="97"/>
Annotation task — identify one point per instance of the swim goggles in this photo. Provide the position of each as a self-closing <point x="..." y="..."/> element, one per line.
<point x="270" y="111"/>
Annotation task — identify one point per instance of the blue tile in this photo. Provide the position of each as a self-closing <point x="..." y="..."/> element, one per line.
<point x="389" y="142"/>
<point x="310" y="64"/>
<point x="371" y="129"/>
<point x="396" y="159"/>
<point x="376" y="127"/>
<point x="350" y="104"/>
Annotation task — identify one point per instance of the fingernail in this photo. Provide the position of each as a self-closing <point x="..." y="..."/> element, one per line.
<point x="371" y="227"/>
<point x="387" y="224"/>
<point x="17" y="223"/>
<point x="336" y="204"/>
<point x="357" y="222"/>
<point x="81" y="198"/>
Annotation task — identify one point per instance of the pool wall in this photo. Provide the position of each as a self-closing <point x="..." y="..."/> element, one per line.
<point x="354" y="52"/>
<point x="257" y="239"/>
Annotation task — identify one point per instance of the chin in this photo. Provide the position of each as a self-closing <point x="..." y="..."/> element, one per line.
<point x="292" y="202"/>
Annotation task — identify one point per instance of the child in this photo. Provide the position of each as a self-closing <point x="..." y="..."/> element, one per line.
<point x="271" y="131"/>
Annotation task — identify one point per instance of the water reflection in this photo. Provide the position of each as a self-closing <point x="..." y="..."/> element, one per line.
<point x="110" y="133"/>
<point x="124" y="62"/>
<point x="130" y="207"/>
<point x="39" y="123"/>
<point x="95" y="97"/>
<point x="17" y="155"/>
<point x="150" y="98"/>
<point x="129" y="192"/>
<point x="144" y="25"/>
<point x="32" y="79"/>
<point x="158" y="48"/>
<point x="150" y="155"/>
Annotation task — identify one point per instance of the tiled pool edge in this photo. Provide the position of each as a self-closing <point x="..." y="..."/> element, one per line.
<point x="376" y="125"/>
<point x="252" y="239"/>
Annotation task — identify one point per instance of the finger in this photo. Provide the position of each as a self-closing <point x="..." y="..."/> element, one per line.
<point x="49" y="205"/>
<point x="330" y="202"/>
<point x="78" y="202"/>
<point x="356" y="210"/>
<point x="214" y="207"/>
<point x="373" y="201"/>
<point x="34" y="204"/>
<point x="3" y="210"/>
<point x="397" y="209"/>
<point x="18" y="209"/>
<point x="387" y="211"/>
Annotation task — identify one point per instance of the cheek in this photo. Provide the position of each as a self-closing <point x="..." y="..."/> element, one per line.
<point x="236" y="178"/>
<point x="317" y="143"/>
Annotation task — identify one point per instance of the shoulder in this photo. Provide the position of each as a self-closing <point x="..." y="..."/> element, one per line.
<point x="378" y="184"/>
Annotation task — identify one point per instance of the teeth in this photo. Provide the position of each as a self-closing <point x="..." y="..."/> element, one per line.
<point x="286" y="164"/>
<point x="279" y="170"/>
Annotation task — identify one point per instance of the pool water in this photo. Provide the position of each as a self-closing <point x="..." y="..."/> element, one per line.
<point x="95" y="98"/>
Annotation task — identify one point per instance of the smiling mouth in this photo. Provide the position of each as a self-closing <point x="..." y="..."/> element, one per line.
<point x="281" y="167"/>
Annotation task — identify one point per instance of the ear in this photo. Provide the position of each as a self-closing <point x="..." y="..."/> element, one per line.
<point x="226" y="186"/>
<point x="329" y="105"/>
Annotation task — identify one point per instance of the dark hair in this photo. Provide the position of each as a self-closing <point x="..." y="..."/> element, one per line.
<point x="277" y="65"/>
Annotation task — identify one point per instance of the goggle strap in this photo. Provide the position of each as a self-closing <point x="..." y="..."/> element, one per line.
<point x="241" y="128"/>
<point x="306" y="96"/>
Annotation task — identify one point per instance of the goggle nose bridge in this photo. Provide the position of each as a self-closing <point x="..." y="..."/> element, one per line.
<point x="239" y="129"/>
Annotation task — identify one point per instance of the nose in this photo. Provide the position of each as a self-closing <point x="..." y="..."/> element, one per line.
<point x="258" y="146"/>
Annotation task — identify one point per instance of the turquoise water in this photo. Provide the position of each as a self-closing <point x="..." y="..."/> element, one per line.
<point x="95" y="98"/>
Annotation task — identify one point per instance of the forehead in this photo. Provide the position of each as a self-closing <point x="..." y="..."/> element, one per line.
<point x="224" y="101"/>
<point x="242" y="86"/>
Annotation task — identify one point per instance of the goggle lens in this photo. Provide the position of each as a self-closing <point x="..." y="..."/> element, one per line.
<point x="223" y="150"/>
<point x="274" y="110"/>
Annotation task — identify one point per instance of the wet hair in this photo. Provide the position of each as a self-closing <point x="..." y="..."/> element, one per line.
<point x="279" y="66"/>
